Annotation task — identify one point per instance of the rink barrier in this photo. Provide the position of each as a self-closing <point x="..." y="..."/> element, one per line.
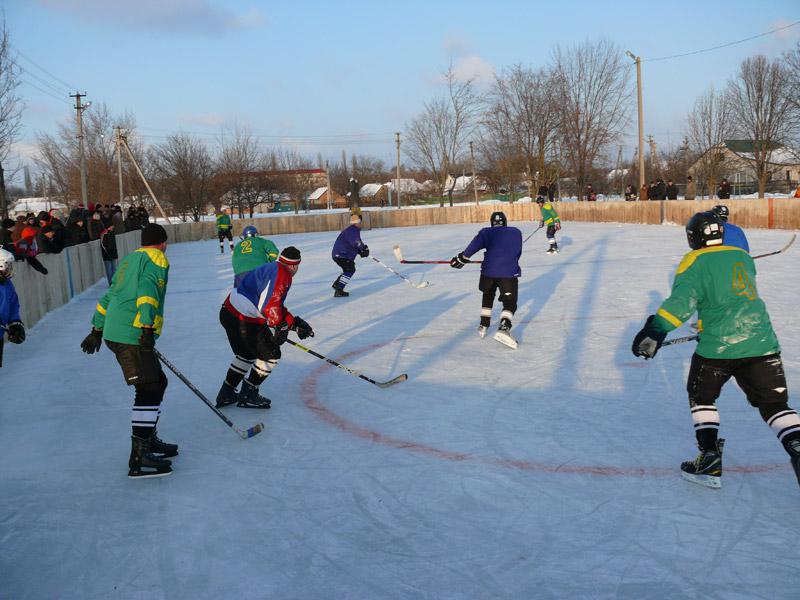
<point x="79" y="267"/>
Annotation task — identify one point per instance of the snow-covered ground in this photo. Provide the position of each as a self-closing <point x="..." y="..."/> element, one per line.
<point x="546" y="472"/>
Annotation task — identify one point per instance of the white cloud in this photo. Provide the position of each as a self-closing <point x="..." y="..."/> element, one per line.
<point x="174" y="16"/>
<point x="473" y="67"/>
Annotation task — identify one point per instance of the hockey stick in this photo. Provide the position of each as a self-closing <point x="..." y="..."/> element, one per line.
<point x="399" y="256"/>
<point x="531" y="235"/>
<point x="244" y="434"/>
<point x="681" y="340"/>
<point x="784" y="249"/>
<point x="380" y="384"/>
<point x="418" y="286"/>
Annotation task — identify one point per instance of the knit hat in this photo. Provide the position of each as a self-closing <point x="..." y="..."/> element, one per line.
<point x="355" y="219"/>
<point x="153" y="234"/>
<point x="290" y="256"/>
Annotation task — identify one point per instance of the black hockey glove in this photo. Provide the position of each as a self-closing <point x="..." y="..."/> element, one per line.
<point x="648" y="340"/>
<point x="302" y="328"/>
<point x="458" y="261"/>
<point x="147" y="341"/>
<point x="16" y="332"/>
<point x="364" y="252"/>
<point x="541" y="223"/>
<point x="92" y="342"/>
<point x="280" y="333"/>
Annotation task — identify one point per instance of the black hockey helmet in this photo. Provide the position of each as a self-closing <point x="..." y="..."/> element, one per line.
<point x="722" y="212"/>
<point x="704" y="229"/>
<point x="498" y="219"/>
<point x="540" y="199"/>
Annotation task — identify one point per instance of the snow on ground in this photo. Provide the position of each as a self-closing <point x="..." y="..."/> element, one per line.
<point x="550" y="471"/>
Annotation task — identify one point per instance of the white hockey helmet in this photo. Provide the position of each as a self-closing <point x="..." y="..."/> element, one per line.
<point x="6" y="264"/>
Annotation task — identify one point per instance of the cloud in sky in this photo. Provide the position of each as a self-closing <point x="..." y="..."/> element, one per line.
<point x="467" y="64"/>
<point x="211" y="119"/>
<point x="172" y="16"/>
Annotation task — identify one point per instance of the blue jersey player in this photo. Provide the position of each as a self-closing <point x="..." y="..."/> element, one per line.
<point x="732" y="235"/>
<point x="9" y="304"/>
<point x="347" y="245"/>
<point x="499" y="271"/>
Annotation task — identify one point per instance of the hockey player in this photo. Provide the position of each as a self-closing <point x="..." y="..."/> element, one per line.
<point x="130" y="317"/>
<point x="224" y="230"/>
<point x="733" y="235"/>
<point x="737" y="341"/>
<point x="9" y="304"/>
<point x="251" y="252"/>
<point x="500" y="271"/>
<point x="344" y="252"/>
<point x="257" y="323"/>
<point x="550" y="220"/>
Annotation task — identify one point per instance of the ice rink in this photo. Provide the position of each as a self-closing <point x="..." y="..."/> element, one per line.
<point x="551" y="471"/>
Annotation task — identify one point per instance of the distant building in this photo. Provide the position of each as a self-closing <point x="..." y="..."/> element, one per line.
<point x="373" y="194"/>
<point x="24" y="206"/>
<point x="735" y="160"/>
<point x="319" y="199"/>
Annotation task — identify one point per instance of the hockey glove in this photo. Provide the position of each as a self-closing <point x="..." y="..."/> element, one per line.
<point x="364" y="252"/>
<point x="280" y="333"/>
<point x="302" y="328"/>
<point x="458" y="261"/>
<point x="648" y="341"/>
<point x="92" y="342"/>
<point x="16" y="332"/>
<point x="557" y="225"/>
<point x="147" y="341"/>
<point x="541" y="223"/>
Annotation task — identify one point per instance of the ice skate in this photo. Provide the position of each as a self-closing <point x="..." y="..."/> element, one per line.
<point x="503" y="336"/>
<point x="143" y="463"/>
<point x="250" y="398"/>
<point x="706" y="469"/>
<point x="226" y="396"/>
<point x="482" y="331"/>
<point x="162" y="449"/>
<point x="338" y="293"/>
<point x="794" y="453"/>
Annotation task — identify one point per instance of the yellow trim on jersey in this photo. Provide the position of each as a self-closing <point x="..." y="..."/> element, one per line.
<point x="690" y="257"/>
<point x="146" y="300"/>
<point x="157" y="256"/>
<point x="100" y="309"/>
<point x="667" y="316"/>
<point x="158" y="323"/>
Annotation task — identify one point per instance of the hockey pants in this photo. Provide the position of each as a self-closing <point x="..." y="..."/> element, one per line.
<point x="254" y="349"/>
<point x="348" y="267"/>
<point x="508" y="287"/>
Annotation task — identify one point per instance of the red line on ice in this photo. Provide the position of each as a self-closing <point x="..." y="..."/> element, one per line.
<point x="311" y="400"/>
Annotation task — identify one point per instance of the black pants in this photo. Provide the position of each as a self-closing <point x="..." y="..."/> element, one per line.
<point x="224" y="234"/>
<point x="249" y="341"/>
<point x="508" y="287"/>
<point x="761" y="378"/>
<point x="348" y="268"/>
<point x="142" y="370"/>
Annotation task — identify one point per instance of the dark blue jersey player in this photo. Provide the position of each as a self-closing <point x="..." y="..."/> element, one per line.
<point x="499" y="271"/>
<point x="344" y="252"/>
<point x="733" y="235"/>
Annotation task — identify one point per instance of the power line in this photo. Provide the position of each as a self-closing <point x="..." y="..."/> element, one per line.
<point x="311" y="138"/>
<point x="753" y="37"/>
<point x="44" y="91"/>
<point x="41" y="68"/>
<point x="41" y="80"/>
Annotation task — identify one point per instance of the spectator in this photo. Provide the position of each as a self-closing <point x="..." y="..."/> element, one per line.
<point x="77" y="233"/>
<point x="20" y="224"/>
<point x="630" y="193"/>
<point x="690" y="189"/>
<point x="591" y="196"/>
<point x="6" y="239"/>
<point x="117" y="220"/>
<point x="652" y="191"/>
<point x="132" y="221"/>
<point x="78" y="212"/>
<point x="644" y="192"/>
<point x="26" y="248"/>
<point x="724" y="189"/>
<point x="144" y="216"/>
<point x="95" y="225"/>
<point x="661" y="190"/>
<point x="45" y="240"/>
<point x="551" y="191"/>
<point x="797" y="192"/>
<point x="108" y="246"/>
<point x="671" y="190"/>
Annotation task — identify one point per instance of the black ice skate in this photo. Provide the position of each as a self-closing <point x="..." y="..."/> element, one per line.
<point x="162" y="449"/>
<point x="250" y="398"/>
<point x="503" y="336"/>
<point x="794" y="453"/>
<point x="706" y="469"/>
<point x="338" y="293"/>
<point x="143" y="463"/>
<point x="226" y="395"/>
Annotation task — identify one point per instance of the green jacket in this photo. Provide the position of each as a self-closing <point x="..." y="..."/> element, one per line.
<point x="253" y="252"/>
<point x="719" y="282"/>
<point x="549" y="215"/>
<point x="135" y="298"/>
<point x="223" y="222"/>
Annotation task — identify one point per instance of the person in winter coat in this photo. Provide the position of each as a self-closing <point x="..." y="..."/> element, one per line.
<point x="26" y="248"/>
<point x="671" y="190"/>
<point x="45" y="240"/>
<point x="724" y="190"/>
<point x="644" y="192"/>
<point x="132" y="221"/>
<point x="661" y="190"/>
<point x="591" y="196"/>
<point x="77" y="233"/>
<point x="691" y="192"/>
<point x="630" y="193"/>
<point x="6" y="241"/>
<point x="108" y="246"/>
<point x="9" y="304"/>
<point x="95" y="225"/>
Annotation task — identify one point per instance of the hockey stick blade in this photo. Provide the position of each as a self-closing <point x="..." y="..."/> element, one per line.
<point x="784" y="249"/>
<point x="397" y="253"/>
<point x="681" y="340"/>
<point x="398" y="379"/>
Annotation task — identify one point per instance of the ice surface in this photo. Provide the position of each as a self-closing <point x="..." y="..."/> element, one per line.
<point x="549" y="471"/>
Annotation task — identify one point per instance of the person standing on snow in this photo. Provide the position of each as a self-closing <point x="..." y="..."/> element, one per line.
<point x="224" y="230"/>
<point x="347" y="245"/>
<point x="500" y="270"/>
<point x="737" y="340"/>
<point x="551" y="220"/>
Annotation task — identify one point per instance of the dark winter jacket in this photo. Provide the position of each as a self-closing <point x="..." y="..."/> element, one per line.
<point x="672" y="192"/>
<point x="108" y="244"/>
<point x="661" y="190"/>
<point x="95" y="228"/>
<point x="77" y="234"/>
<point x="724" y="191"/>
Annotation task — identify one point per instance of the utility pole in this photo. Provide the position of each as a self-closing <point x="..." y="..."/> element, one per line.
<point x="397" y="143"/>
<point x="638" y="61"/>
<point x="118" y="141"/>
<point x="474" y="182"/>
<point x="328" y="182"/>
<point x="147" y="185"/>
<point x="653" y="158"/>
<point x="619" y="173"/>
<point x="79" y="108"/>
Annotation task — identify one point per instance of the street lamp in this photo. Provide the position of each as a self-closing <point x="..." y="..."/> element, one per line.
<point x="638" y="61"/>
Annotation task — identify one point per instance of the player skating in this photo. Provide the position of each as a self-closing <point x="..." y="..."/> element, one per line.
<point x="224" y="230"/>
<point x="129" y="317"/>
<point x="737" y="341"/>
<point x="347" y="245"/>
<point x="252" y="252"/>
<point x="9" y="304"/>
<point x="550" y="220"/>
<point x="733" y="235"/>
<point x="499" y="271"/>
<point x="257" y="323"/>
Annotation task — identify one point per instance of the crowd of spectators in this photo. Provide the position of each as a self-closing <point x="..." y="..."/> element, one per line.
<point x="47" y="233"/>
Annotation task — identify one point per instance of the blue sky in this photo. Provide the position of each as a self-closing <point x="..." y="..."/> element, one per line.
<point x="330" y="69"/>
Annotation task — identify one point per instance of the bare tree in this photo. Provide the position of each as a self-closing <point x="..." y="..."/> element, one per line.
<point x="10" y="110"/>
<point x="708" y="125"/>
<point x="592" y="90"/>
<point x="792" y="61"/>
<point x="437" y="137"/>
<point x="762" y="111"/>
<point x="238" y="166"/>
<point x="185" y="173"/>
